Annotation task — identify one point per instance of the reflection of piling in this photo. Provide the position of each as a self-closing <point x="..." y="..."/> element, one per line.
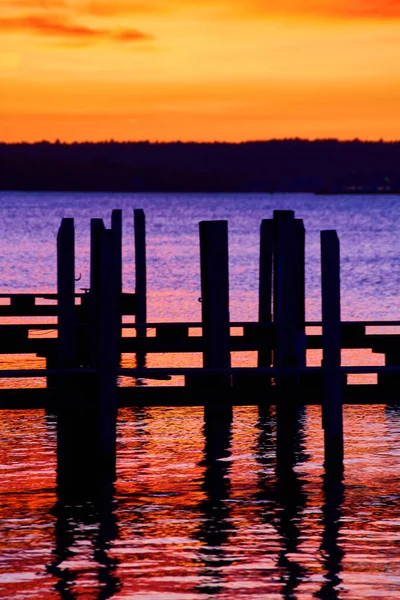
<point x="215" y="525"/>
<point x="331" y="510"/>
<point x="291" y="499"/>
<point x="332" y="409"/>
<point x="89" y="504"/>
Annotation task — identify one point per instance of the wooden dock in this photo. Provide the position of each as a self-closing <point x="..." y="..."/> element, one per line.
<point x="83" y="360"/>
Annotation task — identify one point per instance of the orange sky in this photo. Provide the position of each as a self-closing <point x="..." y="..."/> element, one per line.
<point x="199" y="69"/>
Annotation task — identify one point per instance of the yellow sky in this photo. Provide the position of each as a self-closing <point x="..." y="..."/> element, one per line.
<point x="215" y="69"/>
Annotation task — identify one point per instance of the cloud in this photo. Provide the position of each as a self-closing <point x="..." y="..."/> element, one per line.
<point x="107" y="8"/>
<point x="60" y="28"/>
<point x="34" y="4"/>
<point x="342" y="9"/>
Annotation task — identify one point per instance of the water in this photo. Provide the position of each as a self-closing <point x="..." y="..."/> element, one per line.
<point x="191" y="516"/>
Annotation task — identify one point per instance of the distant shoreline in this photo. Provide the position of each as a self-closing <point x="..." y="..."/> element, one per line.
<point x="283" y="166"/>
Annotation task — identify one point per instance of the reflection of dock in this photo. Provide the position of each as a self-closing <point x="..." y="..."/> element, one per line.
<point x="83" y="360"/>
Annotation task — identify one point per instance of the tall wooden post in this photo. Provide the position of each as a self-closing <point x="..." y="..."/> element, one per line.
<point x="116" y="227"/>
<point x="289" y="317"/>
<point x="215" y="311"/>
<point x="215" y="296"/>
<point x="108" y="343"/>
<point x="86" y="425"/>
<point x="301" y="345"/>
<point x="332" y="409"/>
<point x="265" y="284"/>
<point x="67" y="342"/>
<point x="139" y="223"/>
<point x="96" y="230"/>
<point x="67" y="346"/>
<point x="289" y="302"/>
<point x="140" y="268"/>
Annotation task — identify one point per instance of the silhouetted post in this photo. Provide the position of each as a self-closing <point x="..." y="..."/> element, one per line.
<point x="86" y="424"/>
<point x="265" y="284"/>
<point x="66" y="294"/>
<point x="139" y="223"/>
<point x="66" y="315"/>
<point x="108" y="342"/>
<point x="301" y="344"/>
<point x="96" y="230"/>
<point x="289" y="301"/>
<point x="215" y="296"/>
<point x="331" y="349"/>
<point x="288" y="310"/>
<point x="215" y="307"/>
<point x="116" y="226"/>
<point x="140" y="268"/>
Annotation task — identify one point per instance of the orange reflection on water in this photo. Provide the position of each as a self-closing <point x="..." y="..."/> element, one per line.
<point x="201" y="510"/>
<point x="27" y="496"/>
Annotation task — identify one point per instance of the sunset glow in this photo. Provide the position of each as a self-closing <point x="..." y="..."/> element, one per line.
<point x="167" y="70"/>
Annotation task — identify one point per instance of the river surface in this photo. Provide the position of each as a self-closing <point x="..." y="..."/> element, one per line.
<point x="192" y="514"/>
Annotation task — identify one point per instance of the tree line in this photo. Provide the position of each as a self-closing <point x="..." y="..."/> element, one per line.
<point x="292" y="165"/>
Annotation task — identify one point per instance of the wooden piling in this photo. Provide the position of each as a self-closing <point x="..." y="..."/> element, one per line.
<point x="332" y="409"/>
<point x="215" y="297"/>
<point x="284" y="315"/>
<point x="116" y="226"/>
<point x="96" y="230"/>
<point x="289" y="290"/>
<point x="139" y="221"/>
<point x="265" y="284"/>
<point x="300" y="239"/>
<point x="139" y="224"/>
<point x="67" y="341"/>
<point x="108" y="342"/>
<point x="289" y="318"/>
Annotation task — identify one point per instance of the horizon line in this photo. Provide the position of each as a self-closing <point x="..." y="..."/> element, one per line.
<point x="60" y="142"/>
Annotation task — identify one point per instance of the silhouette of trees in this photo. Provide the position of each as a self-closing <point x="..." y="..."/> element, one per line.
<point x="292" y="165"/>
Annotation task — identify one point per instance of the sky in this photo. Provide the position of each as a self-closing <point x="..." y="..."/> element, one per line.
<point x="202" y="70"/>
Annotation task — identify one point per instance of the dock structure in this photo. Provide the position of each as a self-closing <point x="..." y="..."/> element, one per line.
<point x="83" y="361"/>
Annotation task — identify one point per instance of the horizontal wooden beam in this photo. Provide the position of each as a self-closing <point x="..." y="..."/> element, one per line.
<point x="157" y="372"/>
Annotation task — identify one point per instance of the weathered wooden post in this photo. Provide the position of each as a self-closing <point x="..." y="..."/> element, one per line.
<point x="116" y="226"/>
<point x="67" y="342"/>
<point x="289" y="301"/>
<point x="66" y="313"/>
<point x="86" y="426"/>
<point x="289" y="318"/>
<point x="96" y="230"/>
<point x="215" y="297"/>
<point x="265" y="284"/>
<point x="108" y="346"/>
<point x="332" y="409"/>
<point x="215" y="313"/>
<point x="68" y="419"/>
<point x="139" y="223"/>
